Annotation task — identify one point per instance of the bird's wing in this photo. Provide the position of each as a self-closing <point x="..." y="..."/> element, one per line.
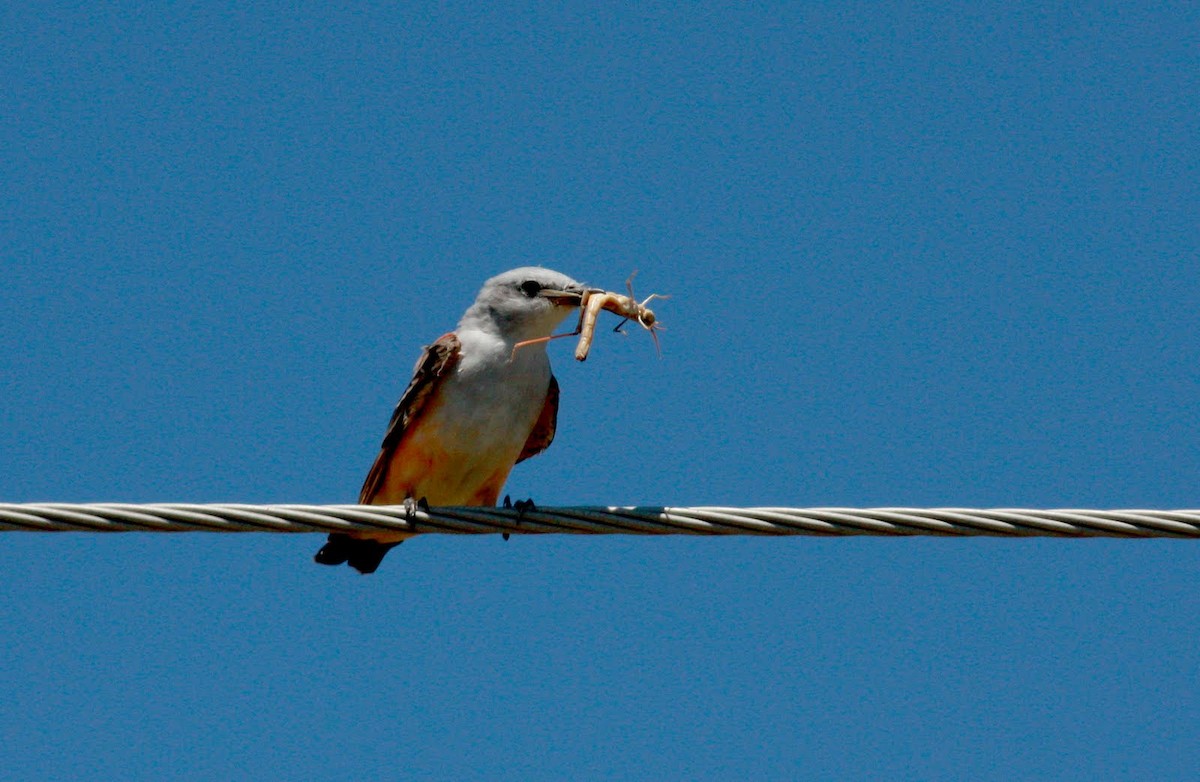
<point x="435" y="362"/>
<point x="543" y="431"/>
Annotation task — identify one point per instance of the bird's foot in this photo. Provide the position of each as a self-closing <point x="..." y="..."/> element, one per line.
<point x="521" y="506"/>
<point x="411" y="507"/>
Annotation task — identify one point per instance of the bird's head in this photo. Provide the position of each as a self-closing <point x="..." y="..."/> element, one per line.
<point x="524" y="303"/>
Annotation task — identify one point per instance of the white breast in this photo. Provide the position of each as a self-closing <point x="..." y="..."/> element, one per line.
<point x="490" y="402"/>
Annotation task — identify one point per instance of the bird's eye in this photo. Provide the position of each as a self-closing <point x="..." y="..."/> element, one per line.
<point x="530" y="288"/>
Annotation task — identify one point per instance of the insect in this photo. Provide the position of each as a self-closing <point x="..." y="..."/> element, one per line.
<point x="593" y="301"/>
<point x="628" y="307"/>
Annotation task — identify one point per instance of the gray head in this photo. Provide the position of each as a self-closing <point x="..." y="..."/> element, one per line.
<point x="524" y="303"/>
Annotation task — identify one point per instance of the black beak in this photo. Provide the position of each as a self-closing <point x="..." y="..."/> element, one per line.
<point x="570" y="297"/>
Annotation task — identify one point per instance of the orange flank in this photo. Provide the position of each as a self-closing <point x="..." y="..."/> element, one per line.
<point x="428" y="465"/>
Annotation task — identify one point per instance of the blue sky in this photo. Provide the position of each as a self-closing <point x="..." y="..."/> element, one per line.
<point x="917" y="256"/>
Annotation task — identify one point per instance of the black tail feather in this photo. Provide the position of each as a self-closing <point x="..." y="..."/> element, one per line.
<point x="363" y="555"/>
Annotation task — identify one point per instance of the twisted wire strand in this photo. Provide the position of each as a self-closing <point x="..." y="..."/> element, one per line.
<point x="946" y="522"/>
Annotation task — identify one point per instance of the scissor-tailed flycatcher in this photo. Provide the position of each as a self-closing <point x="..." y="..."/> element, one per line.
<point x="474" y="408"/>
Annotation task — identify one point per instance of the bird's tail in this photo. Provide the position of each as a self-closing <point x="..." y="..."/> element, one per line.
<point x="362" y="555"/>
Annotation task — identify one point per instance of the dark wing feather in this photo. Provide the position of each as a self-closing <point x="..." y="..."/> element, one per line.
<point x="543" y="431"/>
<point x="437" y="359"/>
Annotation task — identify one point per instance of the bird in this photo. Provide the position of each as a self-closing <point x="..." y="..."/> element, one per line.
<point x="482" y="398"/>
